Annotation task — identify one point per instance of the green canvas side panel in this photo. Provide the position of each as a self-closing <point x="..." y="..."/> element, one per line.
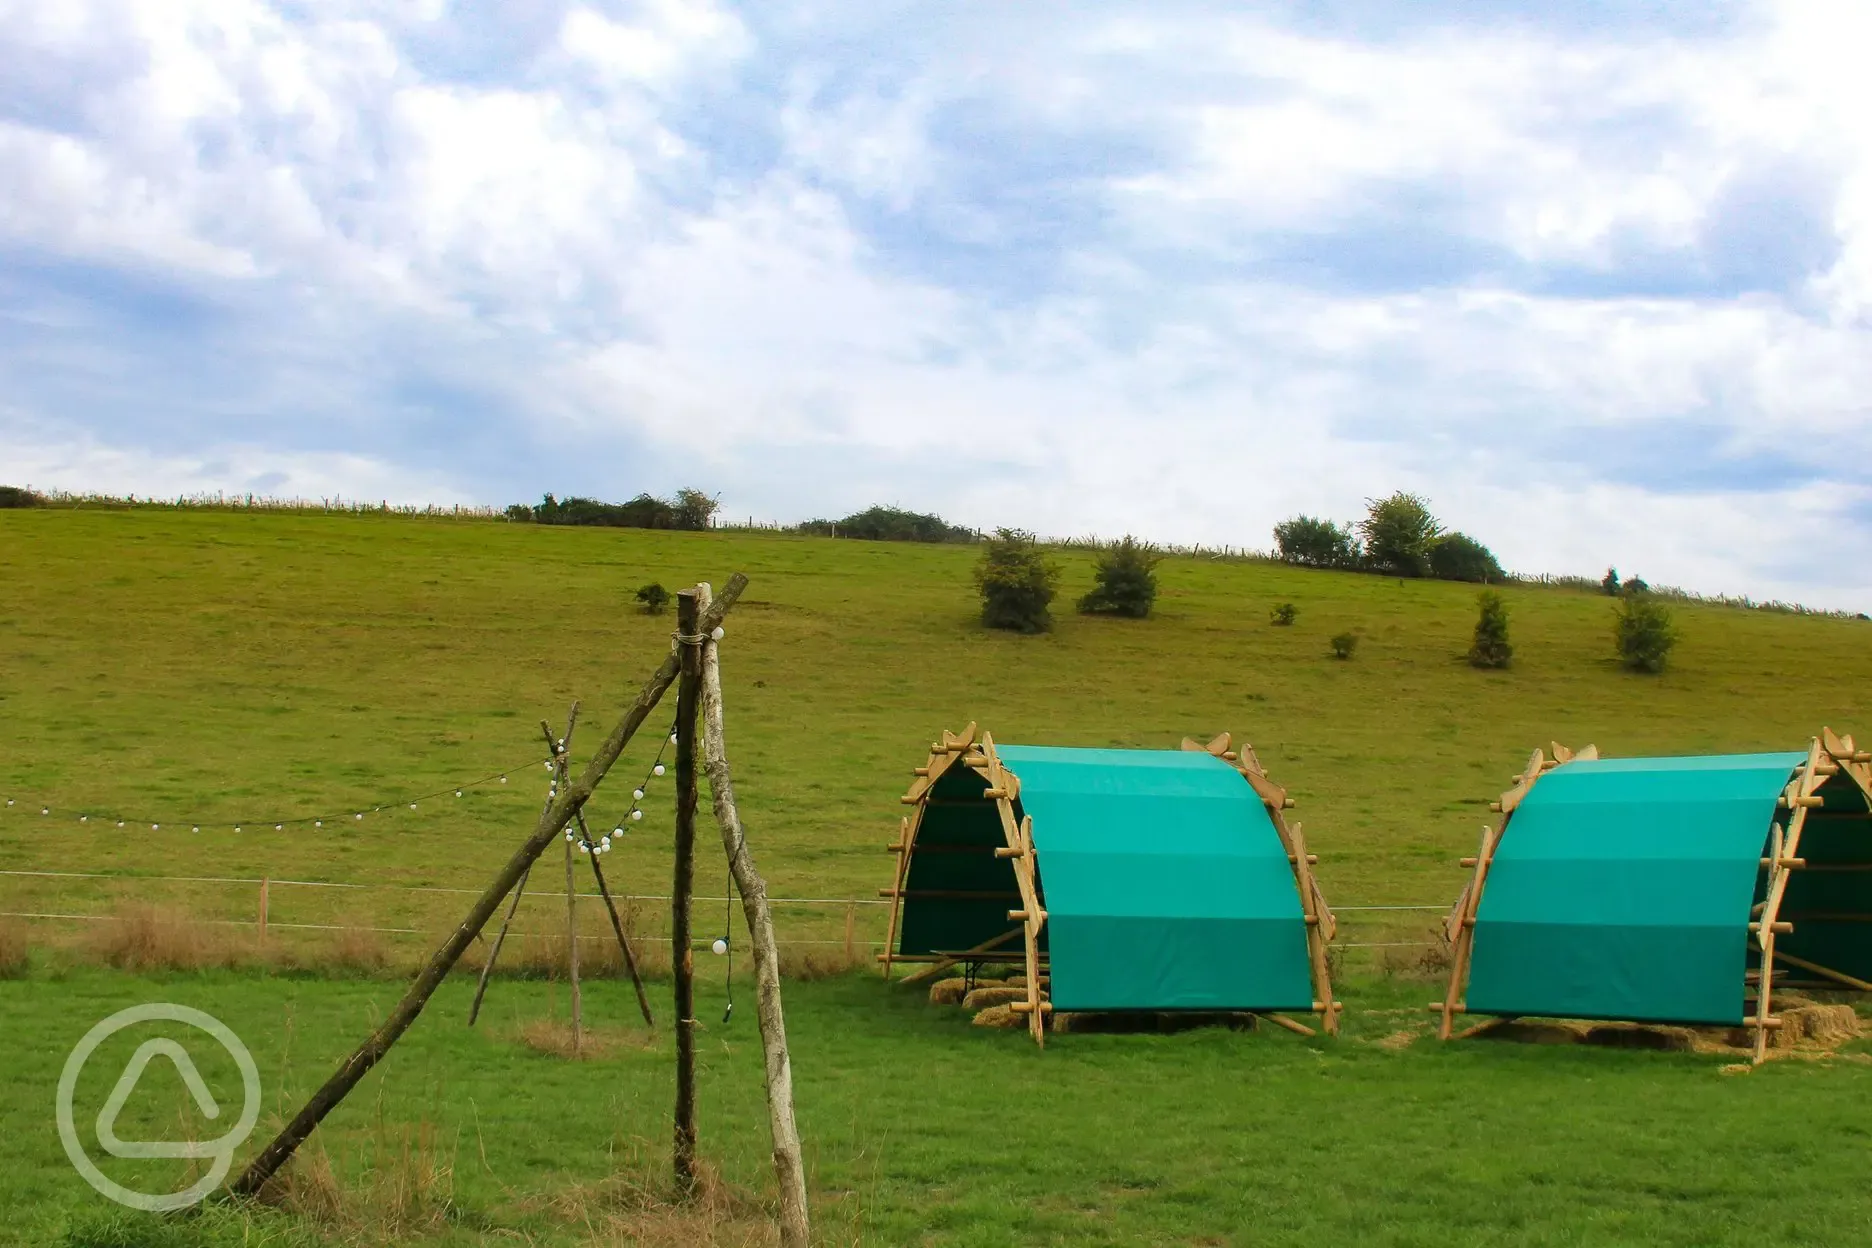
<point x="1832" y="910"/>
<point x="955" y="853"/>
<point x="1621" y="889"/>
<point x="1166" y="885"/>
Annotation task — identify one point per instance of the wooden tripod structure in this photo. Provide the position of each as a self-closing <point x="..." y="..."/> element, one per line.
<point x="1833" y="763"/>
<point x="693" y="660"/>
<point x="975" y="750"/>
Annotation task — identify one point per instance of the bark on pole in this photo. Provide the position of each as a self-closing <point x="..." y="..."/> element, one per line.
<point x="789" y="1168"/>
<point x="682" y="957"/>
<point x="552" y="823"/>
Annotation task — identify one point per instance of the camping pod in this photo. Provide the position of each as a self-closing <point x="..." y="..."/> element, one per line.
<point x="1668" y="890"/>
<point x="1158" y="880"/>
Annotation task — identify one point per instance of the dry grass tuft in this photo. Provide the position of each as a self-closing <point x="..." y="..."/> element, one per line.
<point x="554" y="1038"/>
<point x="157" y="938"/>
<point x="1428" y="961"/>
<point x="405" y="1188"/>
<point x="15" y="949"/>
<point x="811" y="962"/>
<point x="631" y="1207"/>
<point x="356" y="951"/>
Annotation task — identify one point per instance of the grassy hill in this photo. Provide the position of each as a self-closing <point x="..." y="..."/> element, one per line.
<point x="218" y="667"/>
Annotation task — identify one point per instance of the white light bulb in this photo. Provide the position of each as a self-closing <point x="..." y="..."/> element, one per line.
<point x="412" y="805"/>
<point x="278" y="827"/>
<point x="605" y="841"/>
<point x="84" y="818"/>
<point x="568" y="834"/>
<point x="718" y="632"/>
<point x="657" y="770"/>
<point x="318" y="823"/>
<point x="9" y="801"/>
<point x="360" y="816"/>
<point x="194" y="829"/>
<point x="720" y="946"/>
<point x="120" y="823"/>
<point x="155" y="827"/>
<point x="672" y="738"/>
<point x="584" y="848"/>
<point x="547" y="765"/>
<point x="237" y="829"/>
<point x="45" y="810"/>
<point x="503" y="779"/>
<point x="637" y="795"/>
<point x="457" y="792"/>
<point x="636" y="815"/>
<point x="617" y="831"/>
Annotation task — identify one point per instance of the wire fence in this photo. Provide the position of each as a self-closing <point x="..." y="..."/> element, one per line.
<point x="267" y="883"/>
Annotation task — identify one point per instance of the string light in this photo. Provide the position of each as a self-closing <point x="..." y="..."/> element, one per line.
<point x="279" y="825"/>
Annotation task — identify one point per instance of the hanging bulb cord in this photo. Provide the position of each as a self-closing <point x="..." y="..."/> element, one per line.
<point x="728" y="919"/>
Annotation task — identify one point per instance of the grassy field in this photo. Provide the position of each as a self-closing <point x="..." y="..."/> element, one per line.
<point x="923" y="1129"/>
<point x="205" y="668"/>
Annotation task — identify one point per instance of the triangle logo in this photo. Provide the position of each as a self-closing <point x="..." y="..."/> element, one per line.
<point x="126" y="1084"/>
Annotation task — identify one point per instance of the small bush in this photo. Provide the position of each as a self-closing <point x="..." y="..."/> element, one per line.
<point x="891" y="524"/>
<point x="15" y="950"/>
<point x="14" y="496"/>
<point x="1642" y="630"/>
<point x="1399" y="532"/>
<point x="1124" y="580"/>
<point x="1459" y="557"/>
<point x="1343" y="644"/>
<point x="1283" y="614"/>
<point x="1610" y="584"/>
<point x="1316" y="543"/>
<point x="1491" y="648"/>
<point x="1635" y="586"/>
<point x="654" y="598"/>
<point x="1017" y="583"/>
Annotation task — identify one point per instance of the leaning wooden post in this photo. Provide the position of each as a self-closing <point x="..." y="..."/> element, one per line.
<point x="500" y="938"/>
<point x="789" y="1168"/>
<point x="551" y="823"/>
<point x="682" y="957"/>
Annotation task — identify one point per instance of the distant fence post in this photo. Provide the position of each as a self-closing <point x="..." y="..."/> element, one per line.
<point x="263" y="907"/>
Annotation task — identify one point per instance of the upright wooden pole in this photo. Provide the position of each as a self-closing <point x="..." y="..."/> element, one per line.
<point x="560" y="751"/>
<point x="789" y="1166"/>
<point x="263" y="909"/>
<point x="682" y="959"/>
<point x="552" y="823"/>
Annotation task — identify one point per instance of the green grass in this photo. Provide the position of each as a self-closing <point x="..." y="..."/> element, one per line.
<point x="174" y="665"/>
<point x="179" y="665"/>
<point x="924" y="1129"/>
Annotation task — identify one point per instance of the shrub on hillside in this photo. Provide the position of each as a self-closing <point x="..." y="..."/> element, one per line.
<point x="1459" y="557"/>
<point x="1399" y="532"/>
<point x="1283" y="614"/>
<point x="1343" y="644"/>
<point x="654" y="598"/>
<point x="891" y="524"/>
<point x="1643" y="631"/>
<point x="692" y="509"/>
<point x="15" y="950"/>
<point x="1490" y="647"/>
<point x="1316" y="543"/>
<point x="1633" y="587"/>
<point x="1124" y="580"/>
<point x="14" y="496"/>
<point x="1017" y="583"/>
<point x="1611" y="582"/>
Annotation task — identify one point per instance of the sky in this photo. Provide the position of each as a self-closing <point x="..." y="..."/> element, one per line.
<point x="1595" y="278"/>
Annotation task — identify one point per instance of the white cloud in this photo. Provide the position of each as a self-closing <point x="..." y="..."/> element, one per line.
<point x="584" y="241"/>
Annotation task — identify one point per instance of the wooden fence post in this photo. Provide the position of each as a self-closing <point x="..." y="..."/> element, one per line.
<point x="682" y="957"/>
<point x="789" y="1166"/>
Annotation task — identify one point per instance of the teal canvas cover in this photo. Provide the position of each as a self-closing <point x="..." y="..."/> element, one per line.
<point x="1621" y="889"/>
<point x="1165" y="883"/>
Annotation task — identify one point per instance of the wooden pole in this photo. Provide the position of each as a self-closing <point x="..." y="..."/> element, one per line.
<point x="789" y="1167"/>
<point x="500" y="938"/>
<point x="551" y="823"/>
<point x="513" y="907"/>
<point x="560" y="751"/>
<point x="617" y="926"/>
<point x="682" y="959"/>
<point x="263" y="909"/>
